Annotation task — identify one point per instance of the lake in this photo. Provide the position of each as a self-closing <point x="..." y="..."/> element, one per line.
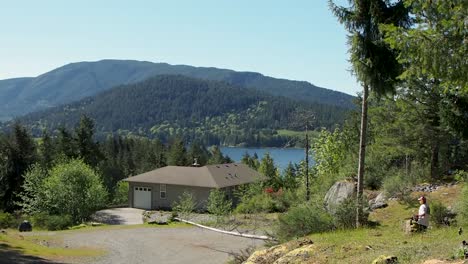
<point x="281" y="156"/>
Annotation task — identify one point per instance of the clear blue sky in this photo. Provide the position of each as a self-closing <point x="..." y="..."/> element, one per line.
<point x="298" y="40"/>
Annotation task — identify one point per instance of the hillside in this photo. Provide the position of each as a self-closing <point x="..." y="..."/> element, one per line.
<point x="169" y="105"/>
<point x="79" y="80"/>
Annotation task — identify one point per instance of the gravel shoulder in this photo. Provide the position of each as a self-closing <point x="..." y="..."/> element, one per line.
<point x="159" y="245"/>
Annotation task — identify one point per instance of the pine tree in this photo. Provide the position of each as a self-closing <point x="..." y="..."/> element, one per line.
<point x="374" y="63"/>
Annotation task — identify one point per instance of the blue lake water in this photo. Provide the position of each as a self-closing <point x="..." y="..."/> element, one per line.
<point x="281" y="156"/>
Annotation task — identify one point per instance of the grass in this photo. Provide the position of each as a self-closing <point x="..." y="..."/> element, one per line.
<point x="389" y="238"/>
<point x="30" y="245"/>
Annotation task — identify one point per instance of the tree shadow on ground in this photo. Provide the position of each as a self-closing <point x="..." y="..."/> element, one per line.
<point x="10" y="255"/>
<point x="108" y="218"/>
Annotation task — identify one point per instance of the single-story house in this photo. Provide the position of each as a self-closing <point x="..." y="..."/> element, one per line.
<point x="160" y="188"/>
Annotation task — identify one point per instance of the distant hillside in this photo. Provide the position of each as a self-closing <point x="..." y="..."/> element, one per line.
<point x="169" y="105"/>
<point x="78" y="80"/>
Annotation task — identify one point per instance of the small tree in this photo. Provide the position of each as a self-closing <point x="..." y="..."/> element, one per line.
<point x="218" y="204"/>
<point x="185" y="205"/>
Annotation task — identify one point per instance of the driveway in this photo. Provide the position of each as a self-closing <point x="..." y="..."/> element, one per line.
<point x="168" y="245"/>
<point x="119" y="216"/>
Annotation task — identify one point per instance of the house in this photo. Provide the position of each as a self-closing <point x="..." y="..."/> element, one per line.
<point x="160" y="188"/>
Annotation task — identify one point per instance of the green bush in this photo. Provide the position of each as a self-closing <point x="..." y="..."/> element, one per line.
<point x="461" y="176"/>
<point x="7" y="220"/>
<point x="260" y="203"/>
<point x="439" y="213"/>
<point x="462" y="207"/>
<point x="345" y="213"/>
<point x="52" y="222"/>
<point x="302" y="220"/>
<point x="397" y="186"/>
<point x="218" y="204"/>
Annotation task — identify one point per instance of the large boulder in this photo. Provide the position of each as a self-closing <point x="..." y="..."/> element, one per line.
<point x="339" y="192"/>
<point x="378" y="202"/>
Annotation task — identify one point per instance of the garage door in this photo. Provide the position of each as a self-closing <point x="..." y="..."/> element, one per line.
<point x="142" y="197"/>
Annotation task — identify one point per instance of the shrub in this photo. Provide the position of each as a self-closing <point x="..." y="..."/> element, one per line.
<point x="397" y="186"/>
<point x="303" y="220"/>
<point x="439" y="213"/>
<point x="345" y="213"/>
<point x="52" y="222"/>
<point x="218" y="204"/>
<point x="7" y="220"/>
<point x="260" y="203"/>
<point x="461" y="175"/>
<point x="462" y="207"/>
<point x="185" y="205"/>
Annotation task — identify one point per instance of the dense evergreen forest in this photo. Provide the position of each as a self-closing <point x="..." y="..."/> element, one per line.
<point x="215" y="113"/>
<point x="114" y="158"/>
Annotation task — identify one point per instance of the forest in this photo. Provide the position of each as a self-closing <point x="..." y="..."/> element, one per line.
<point x="214" y="113"/>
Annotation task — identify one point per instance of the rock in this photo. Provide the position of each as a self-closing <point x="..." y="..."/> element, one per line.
<point x="339" y="192"/>
<point x="269" y="255"/>
<point x="378" y="202"/>
<point x="25" y="226"/>
<point x="385" y="260"/>
<point x="298" y="255"/>
<point x="160" y="218"/>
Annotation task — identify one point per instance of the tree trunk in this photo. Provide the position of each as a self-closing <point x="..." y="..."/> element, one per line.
<point x="435" y="160"/>
<point x="362" y="154"/>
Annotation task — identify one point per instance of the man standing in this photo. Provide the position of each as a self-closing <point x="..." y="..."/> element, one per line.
<point x="423" y="214"/>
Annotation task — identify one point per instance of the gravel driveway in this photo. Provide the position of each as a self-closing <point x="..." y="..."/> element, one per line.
<point x="160" y="245"/>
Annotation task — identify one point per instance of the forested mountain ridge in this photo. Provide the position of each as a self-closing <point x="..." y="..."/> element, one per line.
<point x="78" y="80"/>
<point x="173" y="105"/>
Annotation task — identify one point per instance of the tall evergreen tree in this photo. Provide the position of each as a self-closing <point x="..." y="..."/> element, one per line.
<point x="17" y="155"/>
<point x="88" y="149"/>
<point x="374" y="63"/>
<point x="177" y="155"/>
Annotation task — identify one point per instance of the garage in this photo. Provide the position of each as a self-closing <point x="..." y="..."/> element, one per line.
<point x="142" y="197"/>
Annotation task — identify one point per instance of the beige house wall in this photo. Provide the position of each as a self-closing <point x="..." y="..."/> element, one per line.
<point x="173" y="192"/>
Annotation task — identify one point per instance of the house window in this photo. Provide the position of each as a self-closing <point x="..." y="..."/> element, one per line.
<point x="162" y="191"/>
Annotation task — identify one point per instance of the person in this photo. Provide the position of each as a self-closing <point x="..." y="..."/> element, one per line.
<point x="423" y="213"/>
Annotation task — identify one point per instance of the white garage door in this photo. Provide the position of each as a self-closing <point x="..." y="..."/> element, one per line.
<point x="142" y="197"/>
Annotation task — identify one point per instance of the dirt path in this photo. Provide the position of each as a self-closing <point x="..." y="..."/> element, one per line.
<point x="159" y="245"/>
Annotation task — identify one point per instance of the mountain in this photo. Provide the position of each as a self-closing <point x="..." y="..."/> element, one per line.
<point x="79" y="80"/>
<point x="168" y="105"/>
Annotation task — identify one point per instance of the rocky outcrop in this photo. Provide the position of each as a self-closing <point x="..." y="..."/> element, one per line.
<point x="299" y="251"/>
<point x="378" y="202"/>
<point x="339" y="192"/>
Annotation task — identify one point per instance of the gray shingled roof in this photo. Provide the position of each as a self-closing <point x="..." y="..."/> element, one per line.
<point x="213" y="176"/>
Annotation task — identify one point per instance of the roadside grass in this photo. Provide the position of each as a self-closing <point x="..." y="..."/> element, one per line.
<point x="30" y="245"/>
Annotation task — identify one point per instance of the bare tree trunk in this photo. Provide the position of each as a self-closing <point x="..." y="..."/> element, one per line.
<point x="362" y="155"/>
<point x="435" y="160"/>
<point x="307" y="165"/>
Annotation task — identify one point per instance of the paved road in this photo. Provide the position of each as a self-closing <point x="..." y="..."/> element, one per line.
<point x="119" y="216"/>
<point x="160" y="245"/>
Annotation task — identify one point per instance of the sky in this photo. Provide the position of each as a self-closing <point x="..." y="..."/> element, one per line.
<point x="298" y="40"/>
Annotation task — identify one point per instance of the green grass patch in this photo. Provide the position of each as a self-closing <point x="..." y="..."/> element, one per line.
<point x="388" y="237"/>
<point x="37" y="246"/>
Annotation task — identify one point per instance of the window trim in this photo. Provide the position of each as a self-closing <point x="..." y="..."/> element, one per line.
<point x="162" y="190"/>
